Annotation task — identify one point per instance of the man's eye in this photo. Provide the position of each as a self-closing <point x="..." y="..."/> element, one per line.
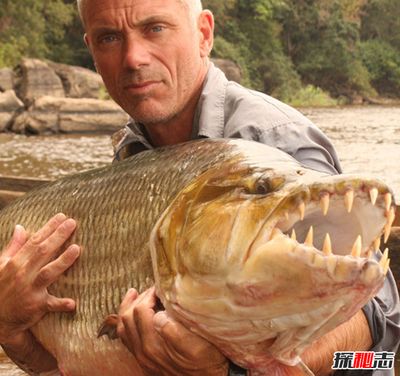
<point x="157" y="29"/>
<point x="109" y="38"/>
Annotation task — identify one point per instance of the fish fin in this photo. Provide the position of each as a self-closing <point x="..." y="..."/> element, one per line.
<point x="109" y="327"/>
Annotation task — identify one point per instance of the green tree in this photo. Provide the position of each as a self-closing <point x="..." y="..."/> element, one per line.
<point x="33" y="28"/>
<point x="248" y="33"/>
<point x="381" y="21"/>
<point x="321" y="37"/>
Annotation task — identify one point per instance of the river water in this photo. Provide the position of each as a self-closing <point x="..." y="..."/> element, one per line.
<point x="367" y="140"/>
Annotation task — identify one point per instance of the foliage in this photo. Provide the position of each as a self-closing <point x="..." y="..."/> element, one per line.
<point x="311" y="96"/>
<point x="296" y="50"/>
<point x="33" y="28"/>
<point x="383" y="64"/>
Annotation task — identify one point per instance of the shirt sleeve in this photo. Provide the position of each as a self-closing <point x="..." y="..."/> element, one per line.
<point x="383" y="315"/>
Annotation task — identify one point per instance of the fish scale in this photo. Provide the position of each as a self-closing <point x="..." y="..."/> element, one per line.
<point x="208" y="222"/>
<point x="103" y="201"/>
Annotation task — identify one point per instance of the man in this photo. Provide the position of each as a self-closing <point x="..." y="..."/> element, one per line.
<point x="153" y="57"/>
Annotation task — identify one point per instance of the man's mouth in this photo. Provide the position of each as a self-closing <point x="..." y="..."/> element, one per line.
<point x="140" y="86"/>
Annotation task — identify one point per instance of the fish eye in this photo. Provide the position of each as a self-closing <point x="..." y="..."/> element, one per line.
<point x="262" y="187"/>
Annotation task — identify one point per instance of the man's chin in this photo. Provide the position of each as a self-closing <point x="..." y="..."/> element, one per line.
<point x="149" y="114"/>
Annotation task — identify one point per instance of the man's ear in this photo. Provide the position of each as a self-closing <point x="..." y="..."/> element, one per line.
<point x="86" y="40"/>
<point x="206" y="29"/>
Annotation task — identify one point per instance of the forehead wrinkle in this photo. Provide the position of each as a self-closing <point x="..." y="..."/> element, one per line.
<point x="143" y="18"/>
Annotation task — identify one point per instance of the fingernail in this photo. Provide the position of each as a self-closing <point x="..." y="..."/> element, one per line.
<point x="70" y="224"/>
<point x="160" y="319"/>
<point x="133" y="293"/>
<point x="74" y="250"/>
<point x="19" y="229"/>
<point x="71" y="305"/>
<point x="60" y="217"/>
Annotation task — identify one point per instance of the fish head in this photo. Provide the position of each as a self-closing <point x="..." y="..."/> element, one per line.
<point x="261" y="256"/>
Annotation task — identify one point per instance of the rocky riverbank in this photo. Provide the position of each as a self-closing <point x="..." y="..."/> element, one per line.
<point x="43" y="97"/>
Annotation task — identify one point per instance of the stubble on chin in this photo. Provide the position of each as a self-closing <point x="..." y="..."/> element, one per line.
<point x="147" y="113"/>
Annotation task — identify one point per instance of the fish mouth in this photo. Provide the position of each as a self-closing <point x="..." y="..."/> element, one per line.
<point x="346" y="218"/>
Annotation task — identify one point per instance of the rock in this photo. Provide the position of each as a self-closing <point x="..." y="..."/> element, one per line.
<point x="9" y="101"/>
<point x="9" y="106"/>
<point x="91" y="115"/>
<point x="36" y="122"/>
<point x="71" y="115"/>
<point x="78" y="82"/>
<point x="37" y="80"/>
<point x="6" y="79"/>
<point x="232" y="70"/>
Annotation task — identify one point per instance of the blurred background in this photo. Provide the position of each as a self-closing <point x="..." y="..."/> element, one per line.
<point x="340" y="51"/>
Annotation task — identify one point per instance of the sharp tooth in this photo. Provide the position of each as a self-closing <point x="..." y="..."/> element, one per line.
<point x="388" y="201"/>
<point x="293" y="235"/>
<point x="388" y="226"/>
<point x="384" y="258"/>
<point x="302" y="209"/>
<point x="286" y="215"/>
<point x="327" y="247"/>
<point x="325" y="203"/>
<point x="386" y="267"/>
<point x="356" y="251"/>
<point x="331" y="264"/>
<point x="373" y="194"/>
<point x="310" y="237"/>
<point x="370" y="253"/>
<point x="348" y="200"/>
<point x="377" y="244"/>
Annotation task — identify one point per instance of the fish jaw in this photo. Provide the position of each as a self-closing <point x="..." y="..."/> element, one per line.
<point x="276" y="305"/>
<point x="257" y="291"/>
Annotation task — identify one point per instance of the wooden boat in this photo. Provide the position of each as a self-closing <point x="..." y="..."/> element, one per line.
<point x="12" y="187"/>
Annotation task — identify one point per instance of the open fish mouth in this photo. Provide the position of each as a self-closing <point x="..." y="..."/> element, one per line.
<point x="343" y="218"/>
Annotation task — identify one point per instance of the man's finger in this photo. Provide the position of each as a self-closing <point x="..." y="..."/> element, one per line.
<point x="49" y="247"/>
<point x="129" y="298"/>
<point x="48" y="228"/>
<point x="54" y="304"/>
<point x="17" y="241"/>
<point x="173" y="332"/>
<point x="181" y="340"/>
<point x="52" y="271"/>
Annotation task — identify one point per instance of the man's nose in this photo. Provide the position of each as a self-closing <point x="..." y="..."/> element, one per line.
<point x="136" y="53"/>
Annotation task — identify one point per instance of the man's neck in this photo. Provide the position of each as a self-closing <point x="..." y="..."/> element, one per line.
<point x="175" y="131"/>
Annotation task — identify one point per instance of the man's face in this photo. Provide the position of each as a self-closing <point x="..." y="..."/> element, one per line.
<point x="149" y="53"/>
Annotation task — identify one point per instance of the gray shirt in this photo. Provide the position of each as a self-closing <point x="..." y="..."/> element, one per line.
<point x="228" y="110"/>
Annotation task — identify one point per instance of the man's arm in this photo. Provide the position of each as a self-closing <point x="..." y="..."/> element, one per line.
<point x="27" y="268"/>
<point x="353" y="335"/>
<point x="29" y="354"/>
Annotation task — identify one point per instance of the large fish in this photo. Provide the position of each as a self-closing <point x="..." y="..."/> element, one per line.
<point x="246" y="247"/>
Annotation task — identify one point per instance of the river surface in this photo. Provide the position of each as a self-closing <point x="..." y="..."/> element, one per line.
<point x="367" y="140"/>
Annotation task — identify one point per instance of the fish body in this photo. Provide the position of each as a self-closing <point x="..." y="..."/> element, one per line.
<point x="212" y="223"/>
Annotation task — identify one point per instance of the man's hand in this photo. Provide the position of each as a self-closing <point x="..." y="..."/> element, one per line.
<point x="27" y="267"/>
<point x="161" y="345"/>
